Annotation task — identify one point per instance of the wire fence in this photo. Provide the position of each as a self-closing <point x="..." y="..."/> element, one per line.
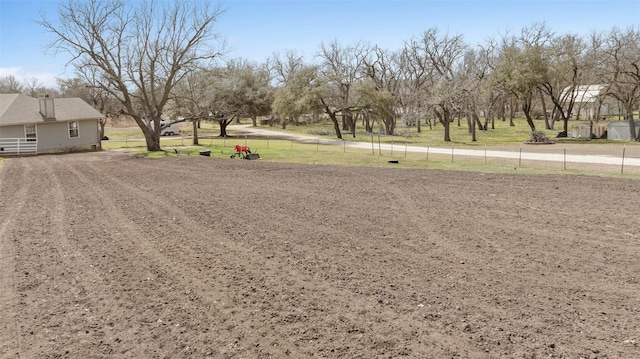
<point x="596" y="158"/>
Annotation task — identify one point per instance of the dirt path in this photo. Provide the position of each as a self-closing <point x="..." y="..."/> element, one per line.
<point x="109" y="255"/>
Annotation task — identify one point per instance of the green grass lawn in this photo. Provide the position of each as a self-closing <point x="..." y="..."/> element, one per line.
<point x="308" y="153"/>
<point x="501" y="134"/>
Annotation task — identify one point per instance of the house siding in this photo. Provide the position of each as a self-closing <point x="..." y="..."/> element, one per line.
<point x="12" y="132"/>
<point x="54" y="136"/>
<point x="57" y="136"/>
<point x="18" y="110"/>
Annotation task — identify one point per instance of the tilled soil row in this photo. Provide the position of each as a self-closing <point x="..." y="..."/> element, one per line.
<point x="111" y="255"/>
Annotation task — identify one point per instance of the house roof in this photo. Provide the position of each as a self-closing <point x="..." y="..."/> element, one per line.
<point x="19" y="109"/>
<point x="586" y="93"/>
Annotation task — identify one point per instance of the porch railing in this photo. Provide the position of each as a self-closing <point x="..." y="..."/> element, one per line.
<point x="18" y="146"/>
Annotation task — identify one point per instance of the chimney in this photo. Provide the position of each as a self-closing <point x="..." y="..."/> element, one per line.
<point x="47" y="109"/>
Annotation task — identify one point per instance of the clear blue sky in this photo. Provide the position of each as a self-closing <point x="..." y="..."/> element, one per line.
<point x="256" y="29"/>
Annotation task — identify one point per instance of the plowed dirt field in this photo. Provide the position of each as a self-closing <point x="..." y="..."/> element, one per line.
<point x="108" y="255"/>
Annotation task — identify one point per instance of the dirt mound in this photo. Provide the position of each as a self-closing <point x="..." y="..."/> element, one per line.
<point x="110" y="255"/>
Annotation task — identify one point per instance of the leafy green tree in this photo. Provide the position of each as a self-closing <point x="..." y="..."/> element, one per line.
<point x="300" y="95"/>
<point x="522" y="67"/>
<point x="249" y="89"/>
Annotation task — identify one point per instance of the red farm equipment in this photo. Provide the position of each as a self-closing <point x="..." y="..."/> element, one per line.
<point x="244" y="153"/>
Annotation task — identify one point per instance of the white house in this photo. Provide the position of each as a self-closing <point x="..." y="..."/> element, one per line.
<point x="587" y="100"/>
<point x="46" y="125"/>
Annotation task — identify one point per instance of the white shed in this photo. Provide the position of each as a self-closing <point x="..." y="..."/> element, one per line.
<point x="619" y="130"/>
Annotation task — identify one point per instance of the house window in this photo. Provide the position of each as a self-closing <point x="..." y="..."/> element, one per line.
<point x="73" y="129"/>
<point x="30" y="133"/>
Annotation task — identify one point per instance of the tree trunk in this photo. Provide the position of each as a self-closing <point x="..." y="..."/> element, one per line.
<point x="445" y="120"/>
<point x="476" y="118"/>
<point x="336" y="125"/>
<point x="526" y="108"/>
<point x="473" y="130"/>
<point x="544" y="110"/>
<point x="565" y="127"/>
<point x="389" y="125"/>
<point x="153" y="141"/>
<point x="102" y="122"/>
<point x="598" y="104"/>
<point x="554" y="118"/>
<point x="334" y="119"/>
<point x="367" y="123"/>
<point x="351" y="121"/>
<point x="223" y="126"/>
<point x="632" y="126"/>
<point x="195" y="132"/>
<point x="511" y="113"/>
<point x="151" y="136"/>
<point x="447" y="136"/>
<point x="254" y="119"/>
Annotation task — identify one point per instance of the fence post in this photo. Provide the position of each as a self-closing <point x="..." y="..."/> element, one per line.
<point x="624" y="148"/>
<point x="373" y="150"/>
<point x="520" y="158"/>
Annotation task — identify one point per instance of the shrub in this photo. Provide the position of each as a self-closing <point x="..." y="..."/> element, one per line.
<point x="539" y="137"/>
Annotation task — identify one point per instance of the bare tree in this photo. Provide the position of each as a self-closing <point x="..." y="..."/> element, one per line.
<point x="472" y="73"/>
<point x="9" y="84"/>
<point x="33" y="86"/>
<point x="96" y="97"/>
<point x="284" y="67"/>
<point x="564" y="73"/>
<point x="416" y="73"/>
<point x="384" y="100"/>
<point x="522" y="67"/>
<point x="139" y="50"/>
<point x="621" y="50"/>
<point x="341" y="68"/>
<point x="205" y="95"/>
<point x="437" y="56"/>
